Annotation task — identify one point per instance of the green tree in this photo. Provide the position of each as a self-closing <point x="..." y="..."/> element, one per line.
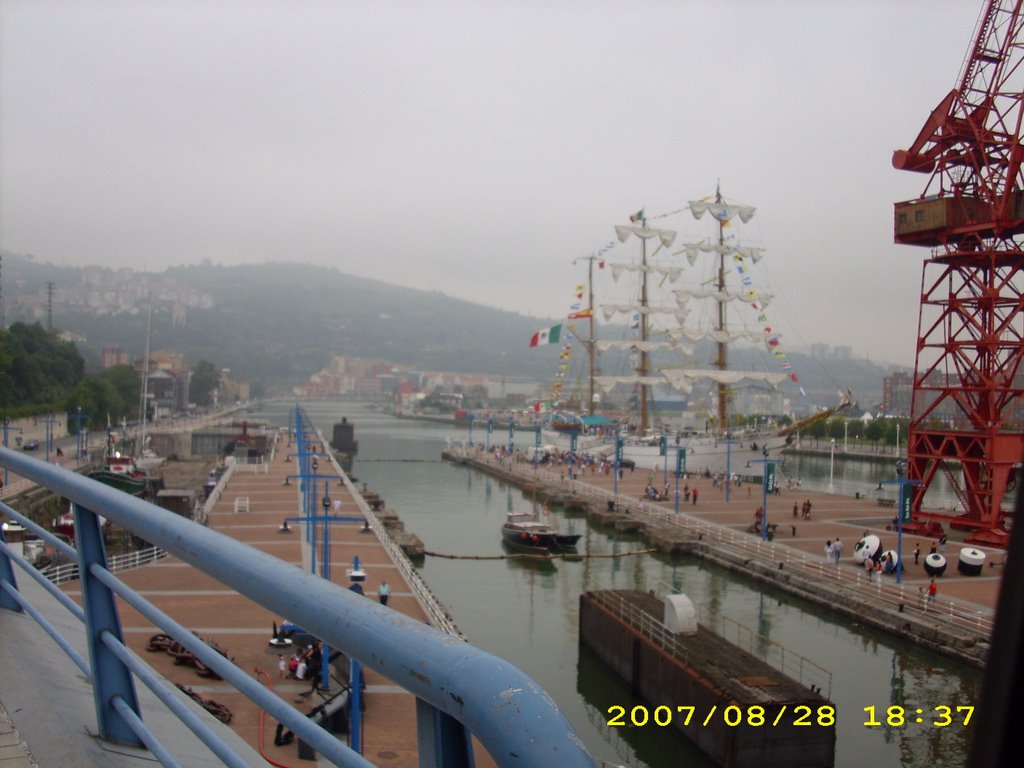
<point x="205" y="379"/>
<point x="99" y="398"/>
<point x="127" y="382"/>
<point x="39" y="370"/>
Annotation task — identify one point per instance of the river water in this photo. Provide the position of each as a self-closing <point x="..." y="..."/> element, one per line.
<point x="528" y="613"/>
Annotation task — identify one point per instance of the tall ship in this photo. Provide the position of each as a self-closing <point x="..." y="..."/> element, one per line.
<point x="691" y="303"/>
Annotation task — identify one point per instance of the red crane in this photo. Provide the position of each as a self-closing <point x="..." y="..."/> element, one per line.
<point x="966" y="408"/>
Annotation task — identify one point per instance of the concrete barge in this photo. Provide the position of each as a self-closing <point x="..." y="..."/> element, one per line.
<point x="737" y="709"/>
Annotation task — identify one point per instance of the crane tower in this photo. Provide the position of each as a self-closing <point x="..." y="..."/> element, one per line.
<point x="967" y="416"/>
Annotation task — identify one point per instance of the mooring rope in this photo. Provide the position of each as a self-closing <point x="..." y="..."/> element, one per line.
<point x="552" y="556"/>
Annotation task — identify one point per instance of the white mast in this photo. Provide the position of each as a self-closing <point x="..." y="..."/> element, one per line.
<point x="145" y="384"/>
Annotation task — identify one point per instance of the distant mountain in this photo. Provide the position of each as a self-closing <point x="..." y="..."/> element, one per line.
<point x="277" y="323"/>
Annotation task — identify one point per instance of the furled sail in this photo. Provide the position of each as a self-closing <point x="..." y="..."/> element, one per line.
<point x="666" y="236"/>
<point x="646" y="346"/>
<point x="683" y="294"/>
<point x="670" y="273"/>
<point x="683" y="380"/>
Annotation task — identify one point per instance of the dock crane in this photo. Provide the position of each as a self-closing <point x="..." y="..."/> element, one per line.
<point x="967" y="414"/>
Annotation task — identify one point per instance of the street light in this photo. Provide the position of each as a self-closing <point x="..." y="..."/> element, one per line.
<point x="767" y="480"/>
<point x="902" y="510"/>
<point x="831" y="467"/>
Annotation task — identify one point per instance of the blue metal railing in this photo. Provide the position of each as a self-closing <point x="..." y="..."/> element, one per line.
<point x="461" y="691"/>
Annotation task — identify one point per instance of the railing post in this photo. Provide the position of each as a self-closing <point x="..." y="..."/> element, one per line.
<point x="443" y="741"/>
<point x="7" y="575"/>
<point x="110" y="677"/>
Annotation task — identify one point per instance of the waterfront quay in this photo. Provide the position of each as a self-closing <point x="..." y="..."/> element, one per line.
<point x="252" y="508"/>
<point x="958" y="622"/>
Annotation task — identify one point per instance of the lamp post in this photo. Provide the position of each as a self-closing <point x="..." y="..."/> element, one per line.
<point x="536" y="445"/>
<point x="79" y="417"/>
<point x="469" y="424"/>
<point x="729" y="443"/>
<point x="846" y="433"/>
<point x="680" y="469"/>
<point x="49" y="421"/>
<point x="618" y="457"/>
<point x="8" y="428"/>
<point x="768" y="479"/>
<point x="897" y="438"/>
<point x="831" y="467"/>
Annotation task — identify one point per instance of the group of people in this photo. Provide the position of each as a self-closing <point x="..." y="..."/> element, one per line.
<point x="833" y="551"/>
<point x="805" y="509"/>
<point x="304" y="663"/>
<point x="652" y="493"/>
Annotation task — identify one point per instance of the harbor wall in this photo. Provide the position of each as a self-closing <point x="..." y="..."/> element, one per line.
<point x="660" y="679"/>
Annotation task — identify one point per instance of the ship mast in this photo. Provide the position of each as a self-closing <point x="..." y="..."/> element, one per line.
<point x="643" y="370"/>
<point x="722" y="359"/>
<point x="591" y="341"/>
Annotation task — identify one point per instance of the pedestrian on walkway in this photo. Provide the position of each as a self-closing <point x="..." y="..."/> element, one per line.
<point x="383" y="593"/>
<point x="917" y="552"/>
<point x="942" y="544"/>
<point x="695" y="497"/>
<point x="828" y="552"/>
<point x="794" y="509"/>
<point x="837" y="549"/>
<point x="282" y="666"/>
<point x="933" y="589"/>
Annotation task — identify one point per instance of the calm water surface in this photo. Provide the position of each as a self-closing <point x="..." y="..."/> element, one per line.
<point x="528" y="614"/>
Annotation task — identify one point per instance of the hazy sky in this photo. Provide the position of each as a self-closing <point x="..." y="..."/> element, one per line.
<point x="478" y="148"/>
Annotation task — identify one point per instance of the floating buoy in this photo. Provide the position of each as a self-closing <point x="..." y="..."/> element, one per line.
<point x="935" y="564"/>
<point x="971" y="561"/>
<point x="536" y="538"/>
<point x="522" y="536"/>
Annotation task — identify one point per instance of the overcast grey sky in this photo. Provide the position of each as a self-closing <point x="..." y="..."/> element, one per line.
<point x="478" y="148"/>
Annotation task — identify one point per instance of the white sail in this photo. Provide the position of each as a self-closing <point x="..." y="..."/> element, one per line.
<point x="669" y="273"/>
<point x="665" y="236"/>
<point x="713" y="334"/>
<point x="684" y="379"/>
<point x="685" y="294"/>
<point x="646" y="346"/>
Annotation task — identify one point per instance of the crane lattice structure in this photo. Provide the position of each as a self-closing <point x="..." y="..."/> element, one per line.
<point x="966" y="406"/>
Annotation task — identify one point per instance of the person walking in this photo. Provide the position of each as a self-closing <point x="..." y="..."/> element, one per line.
<point x="695" y="496"/>
<point x="837" y="549"/>
<point x="383" y="593"/>
<point x="828" y="552"/>
<point x="917" y="552"/>
<point x="933" y="590"/>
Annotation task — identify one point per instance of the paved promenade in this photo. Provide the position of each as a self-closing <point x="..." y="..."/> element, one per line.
<point x="799" y="544"/>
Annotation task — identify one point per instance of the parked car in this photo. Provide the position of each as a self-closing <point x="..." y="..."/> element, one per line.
<point x="30" y="445"/>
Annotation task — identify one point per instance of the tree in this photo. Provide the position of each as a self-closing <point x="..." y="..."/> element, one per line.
<point x="205" y="379"/>
<point x="99" y="398"/>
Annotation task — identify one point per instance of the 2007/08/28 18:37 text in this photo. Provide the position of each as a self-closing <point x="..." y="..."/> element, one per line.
<point x="801" y="715"/>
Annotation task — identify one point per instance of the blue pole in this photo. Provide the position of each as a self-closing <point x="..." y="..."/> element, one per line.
<point x="728" y="468"/>
<point x="764" y="503"/>
<point x="678" y="473"/>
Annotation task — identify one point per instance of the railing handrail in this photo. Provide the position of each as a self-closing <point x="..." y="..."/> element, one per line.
<point x="511" y="715"/>
<point x="439" y="617"/>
